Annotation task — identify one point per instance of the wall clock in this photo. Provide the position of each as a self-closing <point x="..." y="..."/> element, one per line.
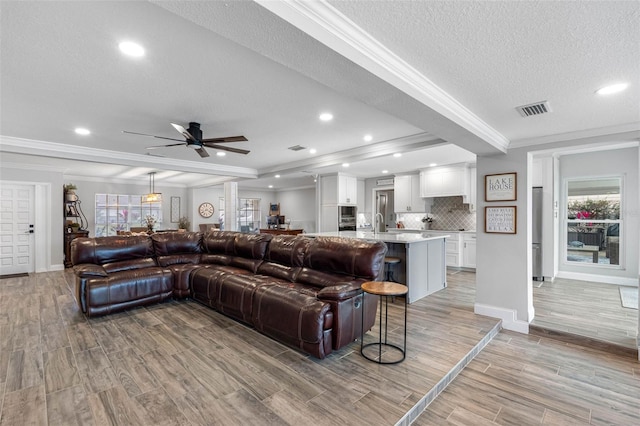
<point x="206" y="210"/>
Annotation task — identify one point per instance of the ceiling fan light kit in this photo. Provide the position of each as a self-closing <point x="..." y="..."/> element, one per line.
<point x="193" y="139"/>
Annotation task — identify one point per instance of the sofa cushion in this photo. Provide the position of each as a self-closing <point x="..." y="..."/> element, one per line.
<point x="117" y="253"/>
<point x="220" y="242"/>
<point x="354" y="257"/>
<point x="287" y="250"/>
<point x="177" y="247"/>
<point x="251" y="246"/>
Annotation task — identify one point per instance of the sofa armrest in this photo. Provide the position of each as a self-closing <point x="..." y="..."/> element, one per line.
<point x="88" y="270"/>
<point x="340" y="291"/>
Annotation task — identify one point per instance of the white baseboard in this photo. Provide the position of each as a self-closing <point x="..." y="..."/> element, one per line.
<point x="59" y="267"/>
<point x="604" y="279"/>
<point x="508" y="317"/>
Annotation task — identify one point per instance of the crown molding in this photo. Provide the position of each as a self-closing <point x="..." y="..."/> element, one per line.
<point x="326" y="24"/>
<point x="620" y="133"/>
<point x="74" y="152"/>
<point x="388" y="147"/>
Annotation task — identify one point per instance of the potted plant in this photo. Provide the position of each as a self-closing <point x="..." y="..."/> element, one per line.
<point x="75" y="226"/>
<point x="70" y="192"/>
<point x="184" y="223"/>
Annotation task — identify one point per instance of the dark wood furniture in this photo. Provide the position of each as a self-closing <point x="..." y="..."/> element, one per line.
<point x="282" y="231"/>
<point x="72" y="214"/>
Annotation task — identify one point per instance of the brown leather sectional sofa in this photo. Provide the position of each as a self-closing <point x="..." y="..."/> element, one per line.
<point x="304" y="292"/>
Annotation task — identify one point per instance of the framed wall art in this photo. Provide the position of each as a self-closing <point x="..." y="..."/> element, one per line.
<point x="500" y="220"/>
<point x="500" y="187"/>
<point x="175" y="209"/>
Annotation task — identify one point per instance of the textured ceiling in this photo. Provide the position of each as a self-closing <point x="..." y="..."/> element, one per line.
<point x="495" y="55"/>
<point x="237" y="68"/>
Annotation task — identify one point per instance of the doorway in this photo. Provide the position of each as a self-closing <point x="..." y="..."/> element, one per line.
<point x="17" y="229"/>
<point x="383" y="204"/>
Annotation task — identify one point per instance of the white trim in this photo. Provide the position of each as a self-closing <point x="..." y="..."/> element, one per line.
<point x="59" y="150"/>
<point x="508" y="317"/>
<point x="326" y="24"/>
<point x="604" y="279"/>
<point x="380" y="149"/>
<point x="623" y="132"/>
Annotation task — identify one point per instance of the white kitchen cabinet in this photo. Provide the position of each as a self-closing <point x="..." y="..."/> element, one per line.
<point x="469" y="250"/>
<point x="406" y="194"/>
<point x="361" y="197"/>
<point x="473" y="188"/>
<point x="445" y="182"/>
<point x="339" y="189"/>
<point x="453" y="246"/>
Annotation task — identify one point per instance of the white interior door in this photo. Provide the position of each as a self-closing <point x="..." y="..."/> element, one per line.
<point x="16" y="229"/>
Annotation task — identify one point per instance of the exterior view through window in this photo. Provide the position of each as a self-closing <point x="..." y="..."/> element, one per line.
<point x="248" y="216"/>
<point x="593" y="222"/>
<point x="121" y="212"/>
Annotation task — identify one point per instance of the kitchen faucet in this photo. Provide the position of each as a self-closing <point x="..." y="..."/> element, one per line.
<point x="380" y="225"/>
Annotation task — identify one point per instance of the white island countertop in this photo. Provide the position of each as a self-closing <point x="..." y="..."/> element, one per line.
<point x="387" y="237"/>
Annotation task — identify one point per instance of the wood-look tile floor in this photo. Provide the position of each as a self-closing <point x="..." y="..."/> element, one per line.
<point x="586" y="309"/>
<point x="183" y="363"/>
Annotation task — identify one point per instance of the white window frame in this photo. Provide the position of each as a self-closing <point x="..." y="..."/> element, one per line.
<point x="566" y="223"/>
<point x="242" y="217"/>
<point x="115" y="206"/>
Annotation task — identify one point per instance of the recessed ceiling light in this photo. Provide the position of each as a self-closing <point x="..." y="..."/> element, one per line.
<point x="312" y="151"/>
<point x="82" y="131"/>
<point x="130" y="48"/>
<point x="385" y="171"/>
<point x="221" y="154"/>
<point x="611" y="89"/>
<point x="368" y="138"/>
<point x="397" y="154"/>
<point x="326" y="116"/>
<point x="433" y="164"/>
<point x="270" y="186"/>
<point x="277" y="176"/>
<point x="345" y="164"/>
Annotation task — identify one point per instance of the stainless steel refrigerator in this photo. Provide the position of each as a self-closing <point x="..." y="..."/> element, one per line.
<point x="537" y="234"/>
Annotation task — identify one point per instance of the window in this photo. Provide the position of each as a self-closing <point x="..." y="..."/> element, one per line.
<point x="248" y="216"/>
<point x="116" y="212"/>
<point x="593" y="221"/>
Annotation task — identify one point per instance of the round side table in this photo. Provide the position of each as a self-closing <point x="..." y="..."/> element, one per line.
<point x="384" y="289"/>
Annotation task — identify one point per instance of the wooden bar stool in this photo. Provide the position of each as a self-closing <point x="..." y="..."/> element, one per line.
<point x="389" y="263"/>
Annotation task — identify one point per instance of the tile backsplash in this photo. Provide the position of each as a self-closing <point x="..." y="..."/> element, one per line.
<point x="447" y="213"/>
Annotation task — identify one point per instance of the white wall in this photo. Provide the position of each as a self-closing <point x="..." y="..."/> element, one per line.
<point x="503" y="283"/>
<point x="87" y="190"/>
<point x="619" y="162"/>
<point x="503" y="266"/>
<point x="299" y="205"/>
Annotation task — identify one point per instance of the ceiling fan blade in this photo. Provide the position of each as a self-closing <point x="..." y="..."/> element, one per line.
<point x="227" y="139"/>
<point x="165" y="146"/>
<point x="226" y="148"/>
<point x="203" y="153"/>
<point x="184" y="132"/>
<point x="153" y="136"/>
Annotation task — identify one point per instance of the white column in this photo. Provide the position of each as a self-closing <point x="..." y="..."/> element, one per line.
<point x="231" y="206"/>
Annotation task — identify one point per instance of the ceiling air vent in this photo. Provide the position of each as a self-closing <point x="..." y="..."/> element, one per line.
<point x="534" y="109"/>
<point x="296" y="148"/>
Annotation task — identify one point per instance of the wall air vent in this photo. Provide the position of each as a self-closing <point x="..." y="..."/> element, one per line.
<point x="296" y="148"/>
<point x="534" y="109"/>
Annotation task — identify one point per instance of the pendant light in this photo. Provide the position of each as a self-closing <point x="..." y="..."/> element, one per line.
<point x="152" y="196"/>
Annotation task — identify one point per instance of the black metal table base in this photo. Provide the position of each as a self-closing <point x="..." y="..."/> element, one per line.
<point x="380" y="343"/>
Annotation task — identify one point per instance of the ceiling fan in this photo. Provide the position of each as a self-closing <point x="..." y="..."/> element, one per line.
<point x="193" y="139"/>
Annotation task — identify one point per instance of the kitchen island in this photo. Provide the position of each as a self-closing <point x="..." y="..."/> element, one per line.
<point x="422" y="268"/>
